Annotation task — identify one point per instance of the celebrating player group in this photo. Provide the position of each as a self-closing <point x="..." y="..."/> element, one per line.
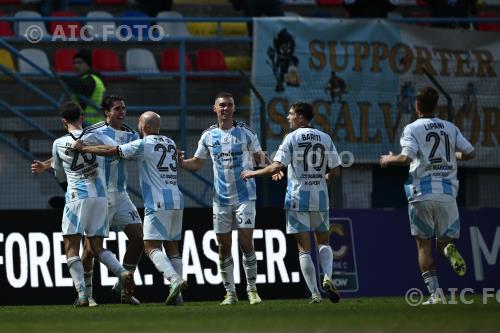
<point x="90" y="163"/>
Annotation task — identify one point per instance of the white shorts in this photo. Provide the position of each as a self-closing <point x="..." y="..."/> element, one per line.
<point x="439" y="218"/>
<point x="87" y="217"/>
<point x="227" y="218"/>
<point x="163" y="225"/>
<point x="121" y="211"/>
<point x="297" y="222"/>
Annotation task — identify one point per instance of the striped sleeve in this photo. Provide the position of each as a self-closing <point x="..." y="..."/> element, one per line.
<point x="254" y="144"/>
<point x="409" y="145"/>
<point x="92" y="138"/>
<point x="284" y="153"/>
<point x="132" y="149"/>
<point x="202" y="150"/>
<point x="462" y="144"/>
<point x="56" y="164"/>
<point x="333" y="158"/>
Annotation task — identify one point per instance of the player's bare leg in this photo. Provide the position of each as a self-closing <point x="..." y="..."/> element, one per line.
<point x="135" y="247"/>
<point x="132" y="255"/>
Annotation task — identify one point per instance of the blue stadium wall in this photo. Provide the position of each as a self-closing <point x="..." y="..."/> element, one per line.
<point x="374" y="256"/>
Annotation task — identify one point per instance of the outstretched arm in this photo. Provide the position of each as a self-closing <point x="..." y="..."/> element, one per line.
<point x="39" y="167"/>
<point x="101" y="150"/>
<point x="262" y="160"/>
<point x="271" y="169"/>
<point x="191" y="164"/>
<point x="391" y="159"/>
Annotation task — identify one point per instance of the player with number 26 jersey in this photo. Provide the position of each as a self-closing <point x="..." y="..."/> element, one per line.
<point x="83" y="173"/>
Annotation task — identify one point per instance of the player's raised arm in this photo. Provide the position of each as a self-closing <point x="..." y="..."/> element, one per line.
<point x="101" y="150"/>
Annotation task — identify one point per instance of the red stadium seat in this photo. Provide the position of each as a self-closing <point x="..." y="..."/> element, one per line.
<point x="110" y="2"/>
<point x="106" y="60"/>
<point x="210" y="60"/>
<point x="489" y="26"/>
<point x="170" y="61"/>
<point x="5" y="28"/>
<point x="64" y="59"/>
<point x="66" y="25"/>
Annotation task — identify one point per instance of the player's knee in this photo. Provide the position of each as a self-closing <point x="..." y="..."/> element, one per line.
<point x="87" y="253"/>
<point x="95" y="249"/>
<point x="137" y="242"/>
<point x="148" y="248"/>
<point x="246" y="245"/>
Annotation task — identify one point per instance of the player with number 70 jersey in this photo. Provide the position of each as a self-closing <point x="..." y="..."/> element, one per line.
<point x="309" y="155"/>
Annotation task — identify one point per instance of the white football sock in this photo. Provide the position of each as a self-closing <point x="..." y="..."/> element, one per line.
<point x="163" y="265"/>
<point x="250" y="266"/>
<point x="87" y="276"/>
<point x="108" y="259"/>
<point x="176" y="261"/>
<point x="326" y="260"/>
<point x="308" y="271"/>
<point x="431" y="281"/>
<point x="76" y="271"/>
<point x="226" y="267"/>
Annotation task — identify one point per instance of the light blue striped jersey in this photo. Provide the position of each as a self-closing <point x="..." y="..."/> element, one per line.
<point x="431" y="144"/>
<point x="309" y="154"/>
<point x="83" y="172"/>
<point x="157" y="158"/>
<point x="115" y="168"/>
<point x="231" y="152"/>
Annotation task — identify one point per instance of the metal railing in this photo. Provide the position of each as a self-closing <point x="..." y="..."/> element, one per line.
<point x="183" y="107"/>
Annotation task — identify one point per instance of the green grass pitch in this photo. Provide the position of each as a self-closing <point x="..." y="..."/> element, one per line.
<point x="381" y="314"/>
